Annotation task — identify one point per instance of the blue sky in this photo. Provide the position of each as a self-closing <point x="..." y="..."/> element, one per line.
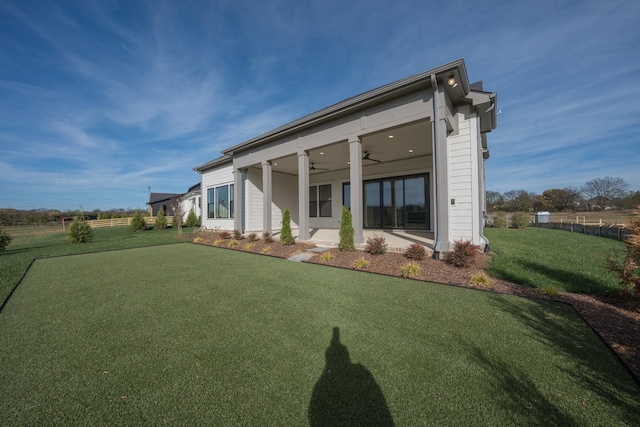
<point x="101" y="99"/>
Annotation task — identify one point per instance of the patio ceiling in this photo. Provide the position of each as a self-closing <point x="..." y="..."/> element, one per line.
<point x="393" y="144"/>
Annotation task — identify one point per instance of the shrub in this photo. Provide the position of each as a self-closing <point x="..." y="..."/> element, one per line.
<point x="80" y="231"/>
<point x="161" y="220"/>
<point x="285" y="234"/>
<point x="628" y="270"/>
<point x="360" y="263"/>
<point x="519" y="220"/>
<point x="137" y="222"/>
<point x="462" y="254"/>
<point x="217" y="242"/>
<point x="266" y="250"/>
<point x="224" y="234"/>
<point x="233" y="243"/>
<point x="266" y="237"/>
<point x="416" y="251"/>
<point x="197" y="240"/>
<point x="376" y="245"/>
<point x="237" y="234"/>
<point x="5" y="239"/>
<point x="410" y="269"/>
<point x="479" y="279"/>
<point x="346" y="231"/>
<point x="500" y="222"/>
<point x="252" y="237"/>
<point x="192" y="219"/>
<point x="550" y="290"/>
<point x="249" y="246"/>
<point x="326" y="257"/>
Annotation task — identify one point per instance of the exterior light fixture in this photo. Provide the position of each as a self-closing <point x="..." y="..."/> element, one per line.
<point x="452" y="80"/>
<point x="390" y="136"/>
<point x="411" y="151"/>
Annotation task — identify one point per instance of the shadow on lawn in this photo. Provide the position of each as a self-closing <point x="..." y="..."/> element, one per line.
<point x="346" y="394"/>
<point x="596" y="368"/>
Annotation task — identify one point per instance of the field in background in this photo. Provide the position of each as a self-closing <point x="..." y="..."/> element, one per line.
<point x="606" y="217"/>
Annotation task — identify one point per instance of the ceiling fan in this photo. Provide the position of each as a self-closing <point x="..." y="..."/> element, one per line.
<point x="313" y="168"/>
<point x="366" y="157"/>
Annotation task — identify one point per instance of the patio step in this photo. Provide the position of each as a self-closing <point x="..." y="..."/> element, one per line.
<point x="305" y="256"/>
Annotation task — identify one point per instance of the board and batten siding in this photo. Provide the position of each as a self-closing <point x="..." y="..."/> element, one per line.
<point x="222" y="175"/>
<point x="463" y="173"/>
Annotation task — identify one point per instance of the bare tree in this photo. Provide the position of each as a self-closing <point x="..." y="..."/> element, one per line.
<point x="176" y="205"/>
<point x="561" y="199"/>
<point x="603" y="190"/>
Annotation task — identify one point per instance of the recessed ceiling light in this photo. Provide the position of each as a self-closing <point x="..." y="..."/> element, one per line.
<point x="348" y="163"/>
<point x="321" y="153"/>
<point x="275" y="164"/>
<point x="390" y="136"/>
<point x="411" y="151"/>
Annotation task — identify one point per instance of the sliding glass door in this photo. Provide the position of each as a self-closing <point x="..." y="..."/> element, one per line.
<point x="399" y="202"/>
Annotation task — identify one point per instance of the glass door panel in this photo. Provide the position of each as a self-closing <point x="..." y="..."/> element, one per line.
<point x="372" y="204"/>
<point x="415" y="191"/>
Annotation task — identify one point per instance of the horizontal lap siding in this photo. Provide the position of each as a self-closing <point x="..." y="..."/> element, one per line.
<point x="222" y="175"/>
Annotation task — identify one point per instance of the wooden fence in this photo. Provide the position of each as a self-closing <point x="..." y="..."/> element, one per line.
<point x="116" y="222"/>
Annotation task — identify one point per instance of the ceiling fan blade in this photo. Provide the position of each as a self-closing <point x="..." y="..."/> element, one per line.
<point x="367" y="157"/>
<point x="313" y="168"/>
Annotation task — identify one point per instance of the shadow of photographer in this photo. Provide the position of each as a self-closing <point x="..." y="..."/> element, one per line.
<point x="346" y="394"/>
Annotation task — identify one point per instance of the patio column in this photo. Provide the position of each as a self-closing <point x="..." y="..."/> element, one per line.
<point x="355" y="176"/>
<point x="303" y="195"/>
<point x="266" y="197"/>
<point x="238" y="207"/>
<point x="442" y="230"/>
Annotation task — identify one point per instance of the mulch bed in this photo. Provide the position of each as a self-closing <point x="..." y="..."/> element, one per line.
<point x="616" y="320"/>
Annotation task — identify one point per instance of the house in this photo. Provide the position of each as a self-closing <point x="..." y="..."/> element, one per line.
<point x="191" y="201"/>
<point x="162" y="201"/>
<point x="409" y="155"/>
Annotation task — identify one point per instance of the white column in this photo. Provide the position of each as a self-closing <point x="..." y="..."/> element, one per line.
<point x="238" y="208"/>
<point x="303" y="195"/>
<point x="355" y="175"/>
<point x="266" y="197"/>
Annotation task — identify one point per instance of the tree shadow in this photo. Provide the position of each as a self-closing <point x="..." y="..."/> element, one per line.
<point x="346" y="394"/>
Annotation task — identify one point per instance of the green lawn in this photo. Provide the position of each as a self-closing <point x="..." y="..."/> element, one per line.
<point x="194" y="335"/>
<point x="537" y="257"/>
<point x="29" y="243"/>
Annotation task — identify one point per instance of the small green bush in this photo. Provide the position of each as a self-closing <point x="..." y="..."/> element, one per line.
<point x="5" y="239"/>
<point x="628" y="270"/>
<point x="266" y="250"/>
<point x="80" y="231"/>
<point x="519" y="220"/>
<point x="346" y="231"/>
<point x="192" y="219"/>
<point x="462" y="254"/>
<point x="410" y="269"/>
<point x="138" y="222"/>
<point x="233" y="243"/>
<point x="285" y="234"/>
<point x="416" y="251"/>
<point x="249" y="246"/>
<point x="499" y="222"/>
<point x="161" y="220"/>
<point x="550" y="290"/>
<point x="376" y="245"/>
<point x="237" y="234"/>
<point x="326" y="257"/>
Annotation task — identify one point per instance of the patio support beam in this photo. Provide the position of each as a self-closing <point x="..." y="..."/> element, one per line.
<point x="238" y="207"/>
<point x="303" y="195"/>
<point x="441" y="171"/>
<point x="266" y="197"/>
<point x="355" y="176"/>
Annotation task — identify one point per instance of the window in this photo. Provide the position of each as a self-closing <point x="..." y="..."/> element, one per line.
<point x="220" y="202"/>
<point x="320" y="201"/>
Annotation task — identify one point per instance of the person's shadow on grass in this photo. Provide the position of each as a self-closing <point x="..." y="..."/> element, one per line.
<point x="346" y="394"/>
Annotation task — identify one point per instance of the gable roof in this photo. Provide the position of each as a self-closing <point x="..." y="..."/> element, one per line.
<point x="161" y="197"/>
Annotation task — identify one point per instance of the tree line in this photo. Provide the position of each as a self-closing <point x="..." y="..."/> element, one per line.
<point x="596" y="194"/>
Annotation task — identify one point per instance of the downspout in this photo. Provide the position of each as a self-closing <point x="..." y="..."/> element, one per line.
<point x="436" y="134"/>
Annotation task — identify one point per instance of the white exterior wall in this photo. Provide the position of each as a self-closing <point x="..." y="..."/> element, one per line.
<point x="284" y="196"/>
<point x="463" y="176"/>
<point x="213" y="178"/>
<point x="191" y="203"/>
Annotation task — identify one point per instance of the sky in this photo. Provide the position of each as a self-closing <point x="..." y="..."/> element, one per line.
<point x="100" y="100"/>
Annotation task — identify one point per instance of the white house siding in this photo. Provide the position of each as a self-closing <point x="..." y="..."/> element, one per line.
<point x="213" y="178"/>
<point x="284" y="195"/>
<point x="463" y="173"/>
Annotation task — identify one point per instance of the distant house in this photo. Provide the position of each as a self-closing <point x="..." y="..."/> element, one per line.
<point x="409" y="155"/>
<point x="191" y="201"/>
<point x="162" y="201"/>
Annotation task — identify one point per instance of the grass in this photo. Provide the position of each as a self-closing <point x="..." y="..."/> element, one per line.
<point x="38" y="242"/>
<point x="190" y="335"/>
<point x="540" y="257"/>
